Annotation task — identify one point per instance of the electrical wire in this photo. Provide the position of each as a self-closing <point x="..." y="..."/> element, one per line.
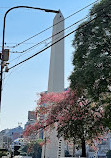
<point x="47" y="47"/>
<point x="58" y="40"/>
<point x="5" y="82"/>
<point x="32" y="47"/>
<point x="10" y="72"/>
<point x="55" y="24"/>
<point x="54" y="34"/>
<point x="12" y="51"/>
<point x="16" y="43"/>
<point x="23" y="42"/>
<point x="35" y="45"/>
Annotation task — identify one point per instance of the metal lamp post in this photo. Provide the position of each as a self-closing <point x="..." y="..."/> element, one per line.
<point x="5" y="51"/>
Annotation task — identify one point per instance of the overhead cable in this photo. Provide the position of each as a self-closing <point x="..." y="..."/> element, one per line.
<point x="35" y="45"/>
<point x="55" y="24"/>
<point x="59" y="39"/>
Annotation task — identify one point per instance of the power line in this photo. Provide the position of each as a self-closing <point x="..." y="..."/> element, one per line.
<point x="35" y="45"/>
<point x="50" y="45"/>
<point x="12" y="51"/>
<point x="8" y="76"/>
<point x="55" y="34"/>
<point x="30" y="48"/>
<point x="16" y="43"/>
<point x="7" y="46"/>
<point x="58" y="40"/>
<point x="55" y="24"/>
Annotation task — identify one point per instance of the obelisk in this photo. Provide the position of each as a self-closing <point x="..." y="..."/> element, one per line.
<point x="56" y="71"/>
<point x="55" y="147"/>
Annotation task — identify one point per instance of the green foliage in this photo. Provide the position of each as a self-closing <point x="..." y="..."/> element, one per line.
<point x="32" y="149"/>
<point x="92" y="56"/>
<point x="107" y="117"/>
<point x="3" y="153"/>
<point x="92" y="59"/>
<point x="108" y="154"/>
<point x="87" y="128"/>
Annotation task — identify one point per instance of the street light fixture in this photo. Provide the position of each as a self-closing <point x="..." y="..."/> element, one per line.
<point x="3" y="50"/>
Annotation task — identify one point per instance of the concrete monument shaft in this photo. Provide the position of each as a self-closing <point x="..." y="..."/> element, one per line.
<point x="55" y="148"/>
<point x="56" y="71"/>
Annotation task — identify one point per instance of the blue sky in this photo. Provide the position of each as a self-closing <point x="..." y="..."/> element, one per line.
<point x="22" y="84"/>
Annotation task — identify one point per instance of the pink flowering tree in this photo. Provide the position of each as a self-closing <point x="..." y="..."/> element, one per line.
<point x="77" y="118"/>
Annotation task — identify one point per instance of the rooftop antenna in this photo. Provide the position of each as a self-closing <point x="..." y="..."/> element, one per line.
<point x="20" y="124"/>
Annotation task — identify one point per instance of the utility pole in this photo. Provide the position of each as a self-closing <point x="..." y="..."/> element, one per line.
<point x="4" y="56"/>
<point x="1" y="72"/>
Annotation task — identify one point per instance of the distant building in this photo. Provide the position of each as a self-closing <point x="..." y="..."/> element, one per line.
<point x="92" y="154"/>
<point x="9" y="135"/>
<point x="32" y="118"/>
<point x="104" y="147"/>
<point x="5" y="142"/>
<point x="16" y="135"/>
<point x="32" y="115"/>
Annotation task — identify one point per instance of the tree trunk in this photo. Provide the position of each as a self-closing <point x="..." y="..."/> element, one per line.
<point x="83" y="148"/>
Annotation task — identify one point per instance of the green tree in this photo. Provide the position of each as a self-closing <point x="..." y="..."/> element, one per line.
<point x="92" y="56"/>
<point x="32" y="149"/>
<point x="77" y="119"/>
<point x="3" y="152"/>
<point x="108" y="154"/>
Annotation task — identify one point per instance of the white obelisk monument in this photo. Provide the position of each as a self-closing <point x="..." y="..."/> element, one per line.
<point x="55" y="147"/>
<point x="56" y="71"/>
